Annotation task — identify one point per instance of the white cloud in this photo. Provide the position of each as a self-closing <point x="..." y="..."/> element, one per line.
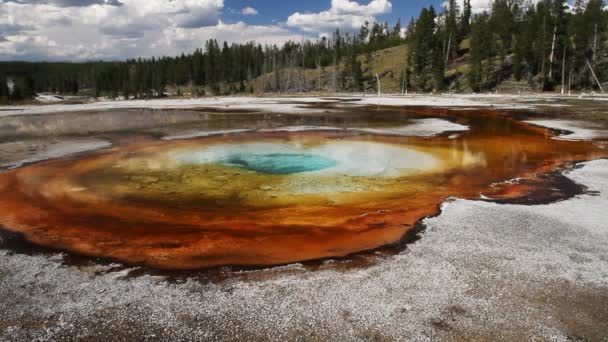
<point x="31" y="30"/>
<point x="375" y="7"/>
<point x="478" y="6"/>
<point x="343" y="14"/>
<point x="239" y="32"/>
<point x="249" y="11"/>
<point x="68" y="3"/>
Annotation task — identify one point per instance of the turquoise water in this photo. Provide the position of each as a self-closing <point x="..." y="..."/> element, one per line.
<point x="279" y="163"/>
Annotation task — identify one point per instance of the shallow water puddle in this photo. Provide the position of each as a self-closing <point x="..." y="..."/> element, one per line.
<point x="275" y="196"/>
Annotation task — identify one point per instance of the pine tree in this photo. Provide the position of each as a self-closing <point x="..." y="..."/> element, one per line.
<point x="421" y="45"/>
<point x="579" y="39"/>
<point x="397" y="29"/>
<point x="465" y="19"/>
<point x="364" y="32"/>
<point x="452" y="34"/>
<point x="411" y="28"/>
<point x="559" y="44"/>
<point x="502" y="24"/>
<point x="4" y="91"/>
<point x="29" y="87"/>
<point x="426" y="56"/>
<point x="479" y="51"/>
<point x="356" y="72"/>
<point x="16" y="94"/>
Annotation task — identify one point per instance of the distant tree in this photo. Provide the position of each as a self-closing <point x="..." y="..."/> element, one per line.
<point x="4" y="91"/>
<point x="74" y="87"/>
<point x="426" y="57"/>
<point x="16" y="94"/>
<point x="411" y="28"/>
<point x="29" y="88"/>
<point x="397" y="29"/>
<point x="465" y="19"/>
<point x="480" y="51"/>
<point x="356" y="72"/>
<point x="452" y="32"/>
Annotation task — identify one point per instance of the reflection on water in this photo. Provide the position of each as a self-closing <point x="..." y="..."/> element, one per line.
<point x="253" y="194"/>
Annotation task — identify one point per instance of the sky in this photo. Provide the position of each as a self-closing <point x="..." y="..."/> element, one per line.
<point x="80" y="30"/>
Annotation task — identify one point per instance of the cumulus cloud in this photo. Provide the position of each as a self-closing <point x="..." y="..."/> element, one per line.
<point x="91" y="30"/>
<point x="249" y="11"/>
<point x="343" y="14"/>
<point x="375" y="7"/>
<point x="238" y="32"/>
<point x="68" y="3"/>
<point x="12" y="28"/>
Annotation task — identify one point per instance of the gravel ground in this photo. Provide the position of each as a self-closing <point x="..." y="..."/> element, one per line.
<point x="295" y="104"/>
<point x="15" y="154"/>
<point x="481" y="271"/>
<point x="579" y="130"/>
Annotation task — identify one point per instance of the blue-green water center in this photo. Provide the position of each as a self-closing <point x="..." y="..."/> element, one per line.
<point x="279" y="163"/>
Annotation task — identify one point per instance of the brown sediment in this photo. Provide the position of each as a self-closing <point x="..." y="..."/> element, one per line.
<point x="113" y="204"/>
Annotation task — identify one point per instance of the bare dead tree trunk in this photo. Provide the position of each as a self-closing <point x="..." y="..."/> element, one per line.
<point x="444" y="47"/>
<point x="563" y="70"/>
<point x="293" y="71"/>
<point x="594" y="76"/>
<point x="594" y="45"/>
<point x="276" y="73"/>
<point x="542" y="69"/>
<point x="289" y="68"/>
<point x="403" y="83"/>
<point x="303" y="68"/>
<point x="335" y="78"/>
<point x="552" y="53"/>
<point x="570" y="81"/>
<point x="447" y="55"/>
<point x="319" y="70"/>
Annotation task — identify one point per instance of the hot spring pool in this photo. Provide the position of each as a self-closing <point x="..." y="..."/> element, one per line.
<point x="354" y="158"/>
<point x="279" y="163"/>
<point x="271" y="197"/>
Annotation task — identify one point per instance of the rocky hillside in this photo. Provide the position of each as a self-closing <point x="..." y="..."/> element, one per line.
<point x="389" y="64"/>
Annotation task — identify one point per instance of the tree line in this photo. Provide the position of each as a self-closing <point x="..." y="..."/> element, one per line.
<point x="213" y="68"/>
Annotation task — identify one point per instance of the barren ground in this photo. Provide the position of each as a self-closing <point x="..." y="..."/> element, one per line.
<point x="480" y="271"/>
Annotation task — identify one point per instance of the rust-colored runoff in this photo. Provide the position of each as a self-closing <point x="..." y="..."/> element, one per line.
<point x="131" y="204"/>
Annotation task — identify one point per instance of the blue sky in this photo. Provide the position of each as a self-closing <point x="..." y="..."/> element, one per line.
<point x="76" y="30"/>
<point x="277" y="11"/>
